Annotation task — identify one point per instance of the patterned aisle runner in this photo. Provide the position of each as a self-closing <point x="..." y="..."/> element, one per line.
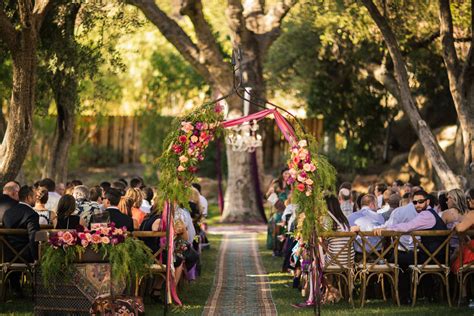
<point x="240" y="285"/>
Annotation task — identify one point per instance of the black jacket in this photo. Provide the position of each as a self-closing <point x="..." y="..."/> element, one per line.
<point x="6" y="202"/>
<point x="120" y="219"/>
<point x="23" y="216"/>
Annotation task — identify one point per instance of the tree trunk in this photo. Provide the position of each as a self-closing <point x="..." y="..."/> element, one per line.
<point x="19" y="130"/>
<point x="65" y="95"/>
<point x="432" y="149"/>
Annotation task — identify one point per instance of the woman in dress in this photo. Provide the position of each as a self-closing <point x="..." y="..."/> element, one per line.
<point x="65" y="219"/>
<point x="457" y="208"/>
<point x="135" y="196"/>
<point x="45" y="216"/>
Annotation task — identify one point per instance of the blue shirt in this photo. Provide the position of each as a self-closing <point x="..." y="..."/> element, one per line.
<point x="402" y="214"/>
<point x="367" y="220"/>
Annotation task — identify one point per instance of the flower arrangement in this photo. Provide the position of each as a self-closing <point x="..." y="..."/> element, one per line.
<point x="128" y="257"/>
<point x="84" y="237"/>
<point x="301" y="168"/>
<point x="184" y="148"/>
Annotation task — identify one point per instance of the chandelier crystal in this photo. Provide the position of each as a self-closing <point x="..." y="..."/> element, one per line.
<point x="244" y="137"/>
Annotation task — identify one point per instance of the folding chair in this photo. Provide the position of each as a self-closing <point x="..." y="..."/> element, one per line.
<point x="157" y="268"/>
<point x="432" y="264"/>
<point x="333" y="264"/>
<point x="17" y="263"/>
<point x="380" y="266"/>
<point x="465" y="270"/>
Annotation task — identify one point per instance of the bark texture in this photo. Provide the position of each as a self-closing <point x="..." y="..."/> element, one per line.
<point x="254" y="28"/>
<point x="22" y="44"/>
<point x="432" y="149"/>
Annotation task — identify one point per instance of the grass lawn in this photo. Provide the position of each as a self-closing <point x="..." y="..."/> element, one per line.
<point x="193" y="295"/>
<point x="284" y="296"/>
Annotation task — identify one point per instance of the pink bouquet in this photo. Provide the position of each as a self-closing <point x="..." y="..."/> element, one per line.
<point x="301" y="168"/>
<point x="84" y="237"/>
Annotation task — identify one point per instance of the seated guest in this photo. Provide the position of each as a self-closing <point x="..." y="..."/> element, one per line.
<point x="22" y="216"/>
<point x="147" y="199"/>
<point x="111" y="202"/>
<point x="380" y="188"/>
<point x="202" y="199"/>
<point x="366" y="219"/>
<point x="182" y="215"/>
<point x="61" y="189"/>
<point x="65" y="218"/>
<point x="8" y="198"/>
<point x="457" y="208"/>
<point x="345" y="201"/>
<point x="41" y="198"/>
<point x="85" y="209"/>
<point x="393" y="202"/>
<point x="426" y="219"/>
<point x="470" y="199"/>
<point x="95" y="197"/>
<point x="136" y="198"/>
<point x="53" y="196"/>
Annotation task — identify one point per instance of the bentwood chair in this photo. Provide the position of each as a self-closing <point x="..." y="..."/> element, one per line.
<point x="340" y="264"/>
<point x="158" y="268"/>
<point x="427" y="262"/>
<point x="17" y="263"/>
<point x="375" y="264"/>
<point x="465" y="269"/>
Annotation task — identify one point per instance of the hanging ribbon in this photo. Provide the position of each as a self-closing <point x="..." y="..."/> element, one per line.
<point x="171" y="294"/>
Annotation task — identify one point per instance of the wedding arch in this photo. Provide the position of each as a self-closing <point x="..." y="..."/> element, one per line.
<point x="184" y="148"/>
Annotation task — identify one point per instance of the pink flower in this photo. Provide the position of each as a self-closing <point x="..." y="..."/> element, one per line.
<point x="302" y="143"/>
<point x="104" y="230"/>
<point x="68" y="238"/>
<point x="81" y="236"/>
<point x="301" y="178"/>
<point x="177" y="148"/>
<point x="296" y="159"/>
<point x="309" y="182"/>
<point x="194" y="139"/>
<point x="96" y="239"/>
<point x="183" y="159"/>
<point x="307" y="167"/>
<point x="300" y="187"/>
<point x="118" y="231"/>
<point x="308" y="193"/>
<point x="192" y="169"/>
<point x="206" y="126"/>
<point x="105" y="240"/>
<point x="187" y="127"/>
<point x="218" y="108"/>
<point x="182" y="139"/>
<point x="313" y="167"/>
<point x="88" y="237"/>
<point x="181" y="168"/>
<point x="84" y="243"/>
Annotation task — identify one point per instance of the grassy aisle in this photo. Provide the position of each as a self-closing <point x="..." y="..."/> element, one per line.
<point x="284" y="296"/>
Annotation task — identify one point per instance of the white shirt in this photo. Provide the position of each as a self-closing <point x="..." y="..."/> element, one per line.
<point x="53" y="199"/>
<point x="185" y="216"/>
<point x="145" y="207"/>
<point x="380" y="200"/>
<point x="204" y="205"/>
<point x="290" y="209"/>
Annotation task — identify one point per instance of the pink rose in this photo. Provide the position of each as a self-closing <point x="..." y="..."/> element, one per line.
<point x="181" y="168"/>
<point x="105" y="240"/>
<point x="68" y="238"/>
<point x="84" y="243"/>
<point x="309" y="182"/>
<point x="88" y="237"/>
<point x="182" y="139"/>
<point x="177" y="149"/>
<point x="183" y="158"/>
<point x="307" y="167"/>
<point x="308" y="193"/>
<point x="186" y="127"/>
<point x="118" y="231"/>
<point x="194" y="139"/>
<point x="296" y="159"/>
<point x="300" y="187"/>
<point x="81" y="236"/>
<point x="96" y="239"/>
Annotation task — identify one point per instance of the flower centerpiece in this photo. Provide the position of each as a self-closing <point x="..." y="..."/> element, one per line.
<point x="128" y="256"/>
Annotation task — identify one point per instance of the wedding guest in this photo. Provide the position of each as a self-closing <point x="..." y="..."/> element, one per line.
<point x="136" y="196"/>
<point x="65" y="218"/>
<point x="22" y="215"/>
<point x="457" y="208"/>
<point x="379" y="190"/>
<point x="136" y="183"/>
<point x="85" y="208"/>
<point x="8" y="198"/>
<point x="345" y="201"/>
<point x="148" y="194"/>
<point x="470" y="198"/>
<point x="202" y="200"/>
<point x="120" y="186"/>
<point x="60" y="189"/>
<point x="111" y="202"/>
<point x="53" y="196"/>
<point x="41" y="198"/>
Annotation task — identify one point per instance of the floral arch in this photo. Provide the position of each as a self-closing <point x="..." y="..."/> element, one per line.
<point x="310" y="173"/>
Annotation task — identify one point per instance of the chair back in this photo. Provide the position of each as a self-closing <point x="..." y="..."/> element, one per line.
<point x="151" y="234"/>
<point x="425" y="257"/>
<point x="466" y="247"/>
<point x="375" y="257"/>
<point x="343" y="258"/>
<point x="6" y="246"/>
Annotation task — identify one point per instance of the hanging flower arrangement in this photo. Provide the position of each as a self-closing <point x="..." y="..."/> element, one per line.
<point x="301" y="168"/>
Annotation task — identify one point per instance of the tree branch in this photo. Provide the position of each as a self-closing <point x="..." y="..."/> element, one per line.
<point x="467" y="73"/>
<point x="39" y="12"/>
<point x="7" y="31"/>
<point x="235" y="18"/>
<point x="447" y="39"/>
<point x="173" y="33"/>
<point x="277" y="12"/>
<point x="210" y="54"/>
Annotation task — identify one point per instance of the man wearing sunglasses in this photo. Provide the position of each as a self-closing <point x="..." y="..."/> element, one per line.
<point x="427" y="219"/>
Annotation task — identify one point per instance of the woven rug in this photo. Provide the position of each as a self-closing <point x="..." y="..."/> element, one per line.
<point x="241" y="286"/>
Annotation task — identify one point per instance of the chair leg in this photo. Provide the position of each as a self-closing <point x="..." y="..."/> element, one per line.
<point x="383" y="289"/>
<point x="446" y="282"/>
<point x="3" y="287"/>
<point x="415" y="287"/>
<point x="363" y="288"/>
<point x="460" y="283"/>
<point x="395" y="287"/>
<point x="350" y="286"/>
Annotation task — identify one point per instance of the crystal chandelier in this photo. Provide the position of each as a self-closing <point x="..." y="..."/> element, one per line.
<point x="244" y="137"/>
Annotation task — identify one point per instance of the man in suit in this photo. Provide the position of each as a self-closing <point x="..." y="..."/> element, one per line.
<point x="9" y="198"/>
<point x="111" y="202"/>
<point x="22" y="216"/>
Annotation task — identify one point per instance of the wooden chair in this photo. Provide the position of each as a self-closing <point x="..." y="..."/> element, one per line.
<point x="157" y="268"/>
<point x="17" y="263"/>
<point x="465" y="270"/>
<point x="380" y="265"/>
<point x="431" y="265"/>
<point x="334" y="266"/>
